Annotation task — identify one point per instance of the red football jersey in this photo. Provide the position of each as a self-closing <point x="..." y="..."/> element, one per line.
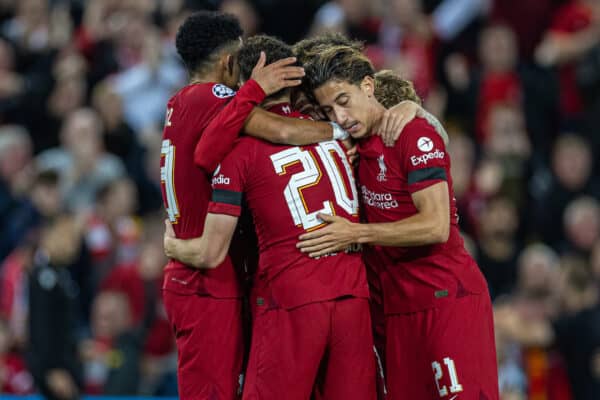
<point x="187" y="190"/>
<point x="285" y="187"/>
<point x="413" y="278"/>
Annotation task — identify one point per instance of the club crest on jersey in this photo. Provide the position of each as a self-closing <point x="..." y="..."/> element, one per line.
<point x="382" y="169"/>
<point x="425" y="144"/>
<point x="222" y="91"/>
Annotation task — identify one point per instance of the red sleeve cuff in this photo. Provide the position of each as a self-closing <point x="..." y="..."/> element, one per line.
<point x="222" y="208"/>
<point x="251" y="91"/>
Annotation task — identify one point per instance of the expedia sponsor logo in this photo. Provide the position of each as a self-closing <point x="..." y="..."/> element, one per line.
<point x="425" y="158"/>
<point x="221" y="180"/>
<point x="384" y="201"/>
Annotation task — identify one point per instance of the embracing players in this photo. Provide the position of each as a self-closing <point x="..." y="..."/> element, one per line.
<point x="438" y="314"/>
<point x="202" y="304"/>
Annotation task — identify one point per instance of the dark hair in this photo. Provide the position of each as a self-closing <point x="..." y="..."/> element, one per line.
<point x="48" y="177"/>
<point x="204" y="33"/>
<point x="338" y="63"/>
<point x="306" y="49"/>
<point x="248" y="55"/>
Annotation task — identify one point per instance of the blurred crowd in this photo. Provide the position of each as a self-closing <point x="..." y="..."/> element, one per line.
<point x="83" y="88"/>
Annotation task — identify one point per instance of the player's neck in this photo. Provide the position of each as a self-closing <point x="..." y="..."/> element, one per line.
<point x="205" y="77"/>
<point x="273" y="100"/>
<point x="376" y="111"/>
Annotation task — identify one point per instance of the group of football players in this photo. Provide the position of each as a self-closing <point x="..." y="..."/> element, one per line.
<point x="347" y="181"/>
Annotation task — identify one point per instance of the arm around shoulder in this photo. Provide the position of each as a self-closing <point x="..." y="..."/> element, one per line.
<point x="285" y="130"/>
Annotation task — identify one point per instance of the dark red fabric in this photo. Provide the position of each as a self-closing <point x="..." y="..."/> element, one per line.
<point x="457" y="338"/>
<point x="188" y="114"/>
<point x="265" y="173"/>
<point x="411" y="276"/>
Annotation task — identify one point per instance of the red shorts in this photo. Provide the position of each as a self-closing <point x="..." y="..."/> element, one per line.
<point x="324" y="348"/>
<point x="445" y="353"/>
<point x="209" y="337"/>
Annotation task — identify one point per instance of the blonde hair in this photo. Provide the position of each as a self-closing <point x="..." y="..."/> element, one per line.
<point x="390" y="89"/>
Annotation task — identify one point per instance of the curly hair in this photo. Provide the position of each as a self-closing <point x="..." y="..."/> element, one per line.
<point x="339" y="63"/>
<point x="390" y="89"/>
<point x="248" y="55"/>
<point x="306" y="49"/>
<point x="203" y="34"/>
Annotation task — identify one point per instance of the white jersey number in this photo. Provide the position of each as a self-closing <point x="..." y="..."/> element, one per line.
<point x="166" y="177"/>
<point x="311" y="176"/>
<point x="455" y="387"/>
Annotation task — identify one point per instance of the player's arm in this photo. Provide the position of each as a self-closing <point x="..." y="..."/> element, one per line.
<point x="427" y="184"/>
<point x="294" y="131"/>
<point x="558" y="48"/>
<point x="430" y="225"/>
<point x="240" y="113"/>
<point x="206" y="251"/>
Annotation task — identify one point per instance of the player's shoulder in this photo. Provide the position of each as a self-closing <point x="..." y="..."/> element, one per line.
<point x="209" y="92"/>
<point x="419" y="130"/>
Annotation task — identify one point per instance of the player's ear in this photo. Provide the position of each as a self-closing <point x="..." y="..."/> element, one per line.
<point x="368" y="85"/>
<point x="230" y="65"/>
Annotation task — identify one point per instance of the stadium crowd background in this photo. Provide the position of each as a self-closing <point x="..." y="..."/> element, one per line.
<point x="83" y="88"/>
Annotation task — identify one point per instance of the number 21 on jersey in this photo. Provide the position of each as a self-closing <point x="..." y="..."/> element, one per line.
<point x="454" y="387"/>
<point x="311" y="176"/>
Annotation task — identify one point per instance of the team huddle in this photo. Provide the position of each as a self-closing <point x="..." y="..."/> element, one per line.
<point x="363" y="288"/>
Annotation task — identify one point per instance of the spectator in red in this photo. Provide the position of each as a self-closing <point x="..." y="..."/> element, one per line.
<point x="113" y="233"/>
<point x="130" y="279"/>
<point x="14" y="377"/>
<point x="499" y="78"/>
<point x="409" y="45"/>
<point x="573" y="32"/>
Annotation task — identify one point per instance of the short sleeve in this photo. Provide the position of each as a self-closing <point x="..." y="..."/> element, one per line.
<point x="423" y="156"/>
<point x="229" y="180"/>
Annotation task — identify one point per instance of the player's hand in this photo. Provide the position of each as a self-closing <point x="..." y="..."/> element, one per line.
<point x="336" y="236"/>
<point x="351" y="150"/>
<point x="395" y="119"/>
<point x="278" y="75"/>
<point x="169" y="239"/>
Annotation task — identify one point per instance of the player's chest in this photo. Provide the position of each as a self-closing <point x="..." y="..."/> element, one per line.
<point x="382" y="185"/>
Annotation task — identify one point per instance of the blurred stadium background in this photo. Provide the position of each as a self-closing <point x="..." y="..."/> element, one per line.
<point x="83" y="86"/>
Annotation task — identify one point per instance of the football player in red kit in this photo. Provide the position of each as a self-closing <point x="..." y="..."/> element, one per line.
<point x="203" y="304"/>
<point x="311" y="322"/>
<point x="438" y="314"/>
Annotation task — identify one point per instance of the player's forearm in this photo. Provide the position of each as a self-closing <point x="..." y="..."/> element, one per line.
<point x="417" y="230"/>
<point x="191" y="252"/>
<point x="294" y="131"/>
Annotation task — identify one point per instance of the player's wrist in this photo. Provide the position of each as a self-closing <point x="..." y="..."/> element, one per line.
<point x="362" y="233"/>
<point x="256" y="92"/>
<point x="338" y="132"/>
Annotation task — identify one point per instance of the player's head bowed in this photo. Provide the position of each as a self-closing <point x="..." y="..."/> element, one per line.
<point x="207" y="41"/>
<point x="273" y="48"/>
<point x="342" y="79"/>
<point x="306" y="49"/>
